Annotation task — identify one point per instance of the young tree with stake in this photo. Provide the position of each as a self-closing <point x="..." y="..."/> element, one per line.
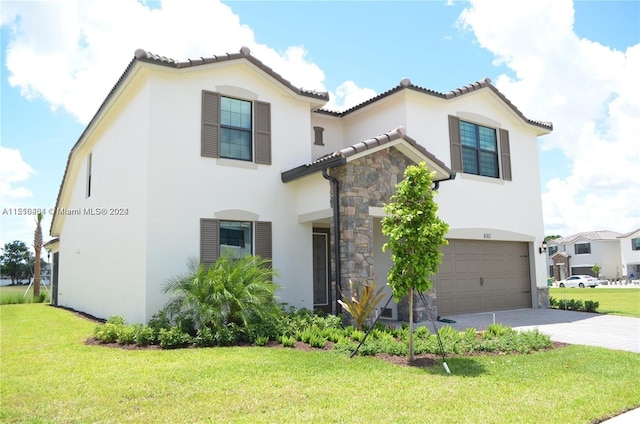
<point x="415" y="235"/>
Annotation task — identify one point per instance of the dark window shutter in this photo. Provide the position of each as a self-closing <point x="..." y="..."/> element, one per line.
<point x="318" y="136"/>
<point x="454" y="142"/>
<point x="210" y="141"/>
<point x="263" y="240"/>
<point x="263" y="133"/>
<point x="209" y="240"/>
<point x="506" y="155"/>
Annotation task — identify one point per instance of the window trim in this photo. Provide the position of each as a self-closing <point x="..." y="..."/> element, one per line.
<point x="635" y="244"/>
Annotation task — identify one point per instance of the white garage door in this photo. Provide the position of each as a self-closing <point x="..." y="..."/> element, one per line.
<point x="483" y="276"/>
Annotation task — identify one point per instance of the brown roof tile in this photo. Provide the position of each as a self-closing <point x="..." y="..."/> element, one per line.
<point x="406" y="84"/>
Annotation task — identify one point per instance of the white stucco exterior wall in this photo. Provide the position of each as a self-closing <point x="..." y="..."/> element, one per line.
<point x="102" y="258"/>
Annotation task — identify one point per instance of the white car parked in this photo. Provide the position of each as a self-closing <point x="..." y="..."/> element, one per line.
<point x="581" y="281"/>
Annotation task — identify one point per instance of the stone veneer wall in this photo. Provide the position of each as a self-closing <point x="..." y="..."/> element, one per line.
<point x="543" y="298"/>
<point x="364" y="182"/>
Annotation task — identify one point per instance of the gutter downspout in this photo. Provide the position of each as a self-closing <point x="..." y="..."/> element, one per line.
<point x="336" y="232"/>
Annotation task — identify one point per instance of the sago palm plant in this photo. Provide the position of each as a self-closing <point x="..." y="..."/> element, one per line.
<point x="232" y="290"/>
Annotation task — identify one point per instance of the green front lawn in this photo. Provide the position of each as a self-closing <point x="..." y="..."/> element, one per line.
<point x="48" y="374"/>
<point x="619" y="301"/>
<point x="16" y="294"/>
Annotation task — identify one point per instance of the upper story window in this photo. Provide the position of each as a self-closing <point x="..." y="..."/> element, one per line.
<point x="479" y="150"/>
<point x="582" y="248"/>
<point x="552" y="250"/>
<point x="89" y="165"/>
<point x="235" y="128"/>
<point x="635" y="244"/>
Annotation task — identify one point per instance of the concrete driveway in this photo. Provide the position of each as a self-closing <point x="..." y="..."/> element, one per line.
<point x="609" y="331"/>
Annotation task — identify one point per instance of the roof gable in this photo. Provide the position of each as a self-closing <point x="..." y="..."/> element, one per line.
<point x="406" y="84"/>
<point x="394" y="138"/>
<point x="245" y="53"/>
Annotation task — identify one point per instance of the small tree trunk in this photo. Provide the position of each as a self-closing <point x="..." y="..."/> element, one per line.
<point x="411" y="324"/>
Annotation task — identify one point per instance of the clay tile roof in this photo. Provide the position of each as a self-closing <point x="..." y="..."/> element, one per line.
<point x="408" y="85"/>
<point x="339" y="157"/>
<point x="245" y="53"/>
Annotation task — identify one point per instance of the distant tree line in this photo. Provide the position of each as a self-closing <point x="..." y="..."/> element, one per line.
<point x="18" y="263"/>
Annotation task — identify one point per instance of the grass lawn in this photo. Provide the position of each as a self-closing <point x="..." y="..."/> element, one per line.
<point x="48" y="375"/>
<point x="15" y="294"/>
<point x="619" y="301"/>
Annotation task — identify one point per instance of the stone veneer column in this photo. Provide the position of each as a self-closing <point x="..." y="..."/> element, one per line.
<point x="364" y="182"/>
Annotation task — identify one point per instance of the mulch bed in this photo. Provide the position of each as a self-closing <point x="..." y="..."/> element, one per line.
<point x="419" y="361"/>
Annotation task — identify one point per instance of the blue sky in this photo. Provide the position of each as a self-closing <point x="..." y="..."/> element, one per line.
<point x="572" y="63"/>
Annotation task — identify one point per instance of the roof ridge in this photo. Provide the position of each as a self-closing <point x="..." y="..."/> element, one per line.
<point x="406" y="83"/>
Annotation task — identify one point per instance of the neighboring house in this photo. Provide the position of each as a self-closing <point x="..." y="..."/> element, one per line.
<point x="184" y="159"/>
<point x="630" y="250"/>
<point x="578" y="253"/>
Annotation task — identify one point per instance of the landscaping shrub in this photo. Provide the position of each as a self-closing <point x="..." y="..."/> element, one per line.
<point x="204" y="338"/>
<point x="236" y="291"/>
<point x="574" y="305"/>
<point x="317" y="331"/>
<point x="173" y="338"/>
<point x="288" y="341"/>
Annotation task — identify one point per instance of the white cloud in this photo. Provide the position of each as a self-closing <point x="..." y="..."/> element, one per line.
<point x="347" y="95"/>
<point x="71" y="52"/>
<point x="589" y="92"/>
<point x="13" y="169"/>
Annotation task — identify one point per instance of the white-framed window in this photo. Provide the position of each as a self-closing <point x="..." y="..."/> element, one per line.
<point x="234" y="128"/>
<point x="240" y="238"/>
<point x="635" y="244"/>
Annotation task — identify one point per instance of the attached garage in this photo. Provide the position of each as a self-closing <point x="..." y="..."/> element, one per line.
<point x="483" y="276"/>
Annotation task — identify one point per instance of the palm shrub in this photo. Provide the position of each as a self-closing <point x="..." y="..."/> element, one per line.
<point x="233" y="292"/>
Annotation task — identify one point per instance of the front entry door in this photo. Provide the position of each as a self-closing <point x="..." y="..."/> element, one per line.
<point x="321" y="283"/>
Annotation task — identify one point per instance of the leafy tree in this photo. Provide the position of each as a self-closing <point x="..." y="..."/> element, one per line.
<point x="415" y="235"/>
<point x="14" y="259"/>
<point x="231" y="291"/>
<point x="37" y="246"/>
<point x="547" y="238"/>
<point x="596" y="269"/>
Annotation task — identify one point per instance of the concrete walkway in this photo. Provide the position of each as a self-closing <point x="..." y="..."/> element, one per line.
<point x="609" y="331"/>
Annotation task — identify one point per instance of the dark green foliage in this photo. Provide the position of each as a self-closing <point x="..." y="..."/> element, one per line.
<point x="145" y="336"/>
<point x="204" y="338"/>
<point x="574" y="305"/>
<point x="238" y="291"/>
<point x="173" y="338"/>
<point x="591" y="305"/>
<point x="318" y="331"/>
<point x="415" y="233"/>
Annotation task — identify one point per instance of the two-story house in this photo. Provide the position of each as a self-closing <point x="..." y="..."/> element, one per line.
<point x="577" y="254"/>
<point x="630" y="252"/>
<point x="184" y="159"/>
